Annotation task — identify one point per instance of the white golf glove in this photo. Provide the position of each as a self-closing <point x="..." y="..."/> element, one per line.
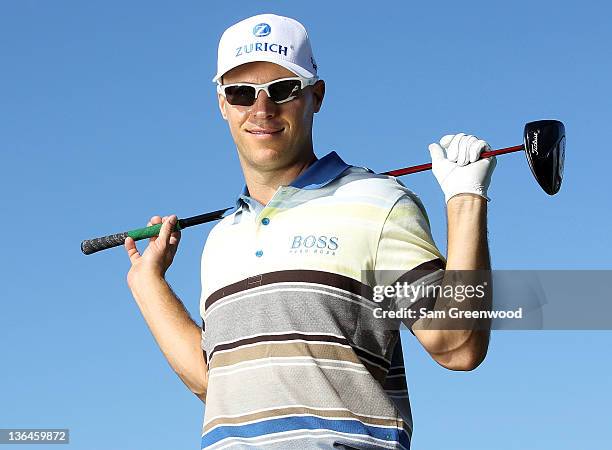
<point x="457" y="167"/>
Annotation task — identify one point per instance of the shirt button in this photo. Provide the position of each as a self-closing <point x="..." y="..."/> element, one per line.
<point x="259" y="253"/>
<point x="265" y="221"/>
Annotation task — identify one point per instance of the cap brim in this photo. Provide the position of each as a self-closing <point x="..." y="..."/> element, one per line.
<point x="296" y="69"/>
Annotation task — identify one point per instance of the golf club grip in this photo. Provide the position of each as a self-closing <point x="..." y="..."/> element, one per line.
<point x="90" y="246"/>
<point x="114" y="240"/>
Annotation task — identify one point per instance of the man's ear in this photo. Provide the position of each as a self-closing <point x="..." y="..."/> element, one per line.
<point x="222" y="103"/>
<point x="318" y="92"/>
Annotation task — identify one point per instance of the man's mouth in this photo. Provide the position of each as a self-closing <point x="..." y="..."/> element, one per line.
<point x="265" y="131"/>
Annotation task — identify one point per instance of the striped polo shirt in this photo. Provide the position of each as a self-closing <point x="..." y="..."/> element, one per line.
<point x="295" y="358"/>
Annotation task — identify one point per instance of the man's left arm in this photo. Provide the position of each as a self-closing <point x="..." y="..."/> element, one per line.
<point x="468" y="254"/>
<point x="461" y="344"/>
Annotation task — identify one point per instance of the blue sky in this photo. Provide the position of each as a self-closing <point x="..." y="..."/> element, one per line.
<point x="108" y="116"/>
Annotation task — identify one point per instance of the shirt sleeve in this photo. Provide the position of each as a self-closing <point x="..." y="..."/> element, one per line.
<point x="204" y="291"/>
<point x="407" y="254"/>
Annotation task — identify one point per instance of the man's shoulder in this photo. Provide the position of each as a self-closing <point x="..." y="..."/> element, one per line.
<point x="225" y="222"/>
<point x="361" y="181"/>
<point x="220" y="228"/>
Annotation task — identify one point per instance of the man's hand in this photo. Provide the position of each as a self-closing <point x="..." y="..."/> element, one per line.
<point x="457" y="167"/>
<point x="158" y="255"/>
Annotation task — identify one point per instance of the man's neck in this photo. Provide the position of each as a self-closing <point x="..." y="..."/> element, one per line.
<point x="263" y="184"/>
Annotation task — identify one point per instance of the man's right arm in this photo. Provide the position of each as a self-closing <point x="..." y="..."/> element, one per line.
<point x="176" y="334"/>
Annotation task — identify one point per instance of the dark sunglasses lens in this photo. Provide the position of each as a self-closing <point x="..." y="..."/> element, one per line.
<point x="240" y="95"/>
<point x="283" y="90"/>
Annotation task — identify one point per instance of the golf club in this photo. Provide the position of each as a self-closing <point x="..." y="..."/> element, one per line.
<point x="543" y="143"/>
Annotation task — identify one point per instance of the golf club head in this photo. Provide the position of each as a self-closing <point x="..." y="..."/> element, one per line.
<point x="544" y="142"/>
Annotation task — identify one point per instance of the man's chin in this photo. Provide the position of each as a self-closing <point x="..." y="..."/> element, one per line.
<point x="267" y="157"/>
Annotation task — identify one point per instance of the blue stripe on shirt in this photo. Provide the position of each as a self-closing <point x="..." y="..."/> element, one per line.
<point x="279" y="425"/>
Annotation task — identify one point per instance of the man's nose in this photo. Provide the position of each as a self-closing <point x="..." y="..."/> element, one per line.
<point x="263" y="106"/>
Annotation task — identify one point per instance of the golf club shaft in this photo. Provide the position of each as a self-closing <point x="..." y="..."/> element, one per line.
<point x="423" y="167"/>
<point x="95" y="245"/>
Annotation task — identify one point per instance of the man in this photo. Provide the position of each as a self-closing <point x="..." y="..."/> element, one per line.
<point x="289" y="354"/>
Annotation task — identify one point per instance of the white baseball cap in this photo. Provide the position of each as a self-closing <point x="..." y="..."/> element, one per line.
<point x="267" y="37"/>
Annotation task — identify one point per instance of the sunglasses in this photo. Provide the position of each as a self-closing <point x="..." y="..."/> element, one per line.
<point x="279" y="91"/>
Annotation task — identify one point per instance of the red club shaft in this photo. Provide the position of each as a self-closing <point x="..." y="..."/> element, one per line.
<point x="423" y="167"/>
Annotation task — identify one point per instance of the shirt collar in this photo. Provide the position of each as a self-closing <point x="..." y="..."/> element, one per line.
<point x="323" y="171"/>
